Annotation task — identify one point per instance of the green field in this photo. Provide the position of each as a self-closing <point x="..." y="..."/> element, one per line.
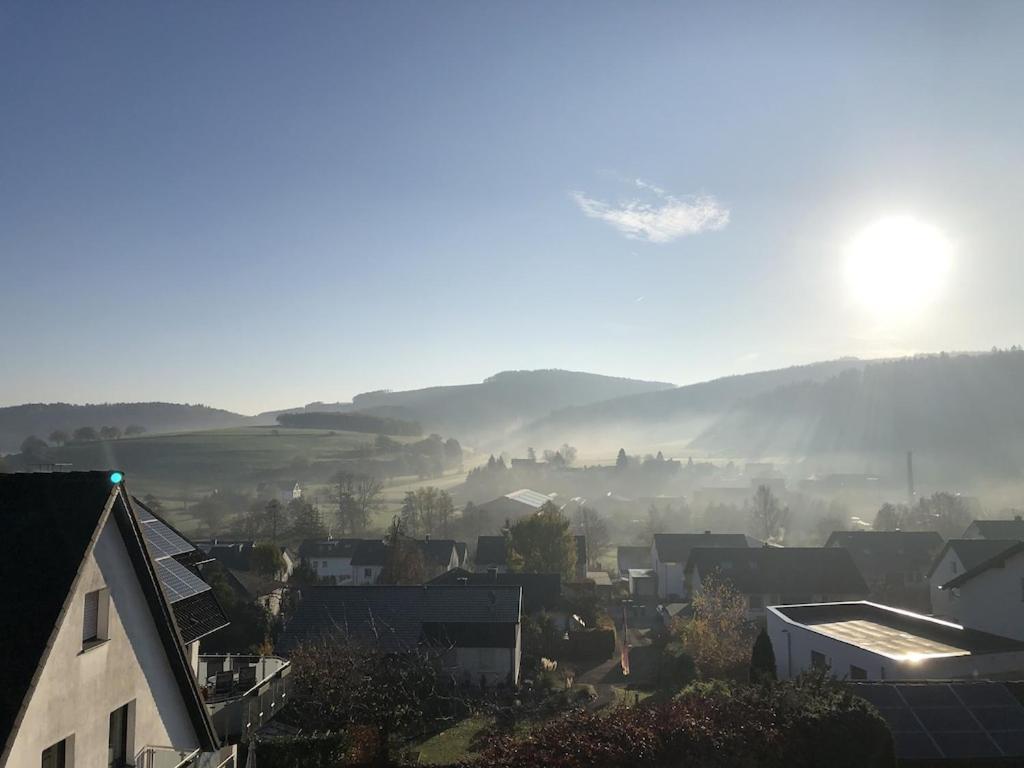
<point x="180" y="468"/>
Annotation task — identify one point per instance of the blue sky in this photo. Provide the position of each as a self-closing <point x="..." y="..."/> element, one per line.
<point x="255" y="205"/>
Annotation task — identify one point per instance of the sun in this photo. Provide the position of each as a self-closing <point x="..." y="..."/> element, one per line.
<point x="897" y="266"/>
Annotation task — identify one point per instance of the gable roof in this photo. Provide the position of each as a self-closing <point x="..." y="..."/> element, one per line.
<point x="888" y="551"/>
<point x="54" y="519"/>
<point x="491" y="550"/>
<point x="195" y="608"/>
<point x="1000" y="529"/>
<point x="675" y="547"/>
<point x="971" y="552"/>
<point x="324" y="548"/>
<point x="996" y="561"/>
<point x="633" y="558"/>
<point x="782" y="570"/>
<point x="531" y="498"/>
<point x="437" y="551"/>
<point x="370" y="552"/>
<point x="541" y="591"/>
<point x="394" y="618"/>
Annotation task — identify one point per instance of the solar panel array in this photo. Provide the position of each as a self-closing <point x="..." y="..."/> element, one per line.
<point x="164" y="541"/>
<point x="164" y="544"/>
<point x="965" y="720"/>
<point x="178" y="581"/>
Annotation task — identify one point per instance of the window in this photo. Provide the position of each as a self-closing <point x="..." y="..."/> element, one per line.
<point x="856" y="673"/>
<point x="368" y="573"/>
<point x="1022" y="590"/>
<point x="818" y="660"/>
<point x="56" y="756"/>
<point x="324" y="565"/>
<point x="94" y="623"/>
<point x="117" y="738"/>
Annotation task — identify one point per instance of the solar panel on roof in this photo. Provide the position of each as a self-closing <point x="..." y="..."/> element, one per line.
<point x="975" y="695"/>
<point x="164" y="542"/>
<point x="900" y="719"/>
<point x="968" y="720"/>
<point x="881" y="695"/>
<point x="945" y="719"/>
<point x="928" y="695"/>
<point x="142" y="513"/>
<point x="178" y="581"/>
<point x="912" y="746"/>
<point x="1011" y="742"/>
<point x="1000" y="718"/>
<point x="967" y="745"/>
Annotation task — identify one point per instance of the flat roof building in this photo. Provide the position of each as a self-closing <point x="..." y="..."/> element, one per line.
<point x="867" y="641"/>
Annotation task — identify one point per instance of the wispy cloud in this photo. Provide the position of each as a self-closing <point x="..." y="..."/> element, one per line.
<point x="659" y="220"/>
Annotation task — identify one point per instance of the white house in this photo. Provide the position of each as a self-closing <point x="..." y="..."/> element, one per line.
<point x="772" y="575"/>
<point x="670" y="551"/>
<point x="95" y="671"/>
<point x="479" y="626"/>
<point x="958" y="557"/>
<point x="867" y="641"/>
<point x="990" y="596"/>
<point x="282" y="492"/>
<point x="330" y="559"/>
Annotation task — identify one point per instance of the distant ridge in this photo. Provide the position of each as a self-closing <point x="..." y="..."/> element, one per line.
<point x="501" y="403"/>
<point x="19" y="421"/>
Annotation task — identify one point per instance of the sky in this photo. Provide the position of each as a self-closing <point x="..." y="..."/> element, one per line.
<point x="256" y="205"/>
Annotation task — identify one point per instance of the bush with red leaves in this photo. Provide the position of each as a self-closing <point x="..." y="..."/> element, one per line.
<point x="786" y="725"/>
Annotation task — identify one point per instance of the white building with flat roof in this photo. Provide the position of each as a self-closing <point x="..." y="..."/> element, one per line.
<point x="866" y="641"/>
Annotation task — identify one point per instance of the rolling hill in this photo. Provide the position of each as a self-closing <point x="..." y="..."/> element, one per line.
<point x="501" y="403"/>
<point x="668" y="416"/>
<point x="19" y="421"/>
<point x="963" y="414"/>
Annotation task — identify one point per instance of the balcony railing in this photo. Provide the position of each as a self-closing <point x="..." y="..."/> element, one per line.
<point x="170" y="757"/>
<point x="243" y="692"/>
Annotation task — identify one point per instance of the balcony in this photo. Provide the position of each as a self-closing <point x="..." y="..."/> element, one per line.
<point x="243" y="692"/>
<point x="170" y="757"/>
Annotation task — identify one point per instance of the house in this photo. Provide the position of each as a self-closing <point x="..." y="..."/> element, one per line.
<point x="643" y="582"/>
<point x="778" y="575"/>
<point x="895" y="564"/>
<point x="491" y="554"/>
<point x="439" y="555"/>
<point x="478" y="625"/>
<point x="96" y="670"/>
<point x="956" y="558"/>
<point x="330" y="559"/>
<point x="996" y="529"/>
<point x="234" y="559"/>
<point x="670" y="551"/>
<point x="868" y="641"/>
<point x="280" y="491"/>
<point x="368" y="559"/>
<point x="541" y="591"/>
<point x="515" y="505"/>
<point x="633" y="558"/>
<point x="990" y="596"/>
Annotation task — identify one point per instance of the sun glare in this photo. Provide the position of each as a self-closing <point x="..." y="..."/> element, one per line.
<point x="898" y="265"/>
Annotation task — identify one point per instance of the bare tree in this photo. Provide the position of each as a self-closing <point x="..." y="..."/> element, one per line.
<point x="357" y="497"/>
<point x="768" y="515"/>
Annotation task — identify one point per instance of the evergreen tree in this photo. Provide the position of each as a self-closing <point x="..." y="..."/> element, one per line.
<point x="762" y="659"/>
<point x="621" y="461"/>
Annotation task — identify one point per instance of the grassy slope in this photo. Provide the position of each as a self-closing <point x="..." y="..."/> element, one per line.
<point x="184" y="466"/>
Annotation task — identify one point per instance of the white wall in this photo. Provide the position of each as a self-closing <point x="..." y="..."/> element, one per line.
<point x="340" y="568"/>
<point x="992" y="601"/>
<point x="78" y="690"/>
<point x="670" y="575"/>
<point x="793" y="643"/>
<point x="944" y="604"/>
<point x="366" y="574"/>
